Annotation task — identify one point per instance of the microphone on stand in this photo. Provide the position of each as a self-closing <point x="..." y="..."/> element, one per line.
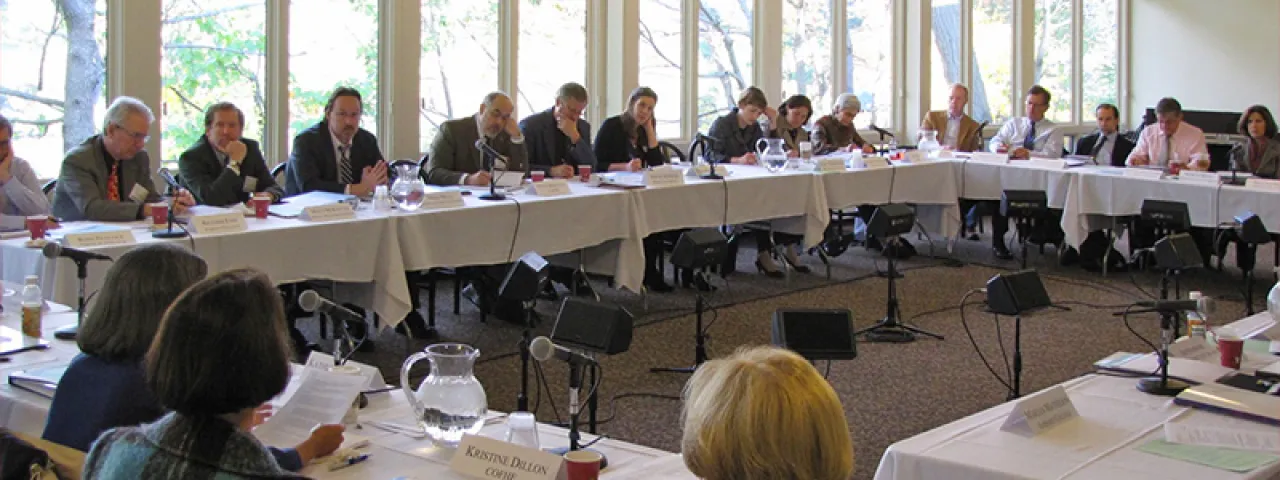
<point x="174" y="187"/>
<point x="1204" y="305"/>
<point x="310" y="301"/>
<point x="1161" y="384"/>
<point x="542" y="349"/>
<point x="81" y="258"/>
<point x="490" y="156"/>
<point x="883" y="133"/>
<point x="54" y="251"/>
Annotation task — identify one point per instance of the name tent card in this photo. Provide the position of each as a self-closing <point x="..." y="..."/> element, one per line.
<point x="551" y="188"/>
<point x="701" y="170"/>
<point x="1042" y="411"/>
<point x="1210" y="178"/>
<point x="1142" y="172"/>
<point x="875" y="162"/>
<point x="831" y="164"/>
<point x="99" y="238"/>
<point x="229" y="222"/>
<point x="988" y="157"/>
<point x="330" y="212"/>
<point x="915" y="156"/>
<point x="1049" y="163"/>
<point x="662" y="177"/>
<point x="1262" y="184"/>
<point x="484" y="457"/>
<point x="451" y="198"/>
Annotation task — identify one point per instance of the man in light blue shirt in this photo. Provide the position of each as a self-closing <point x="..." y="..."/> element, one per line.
<point x="20" y="194"/>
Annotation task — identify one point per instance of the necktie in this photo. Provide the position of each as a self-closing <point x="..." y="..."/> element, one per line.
<point x="1168" y="149"/>
<point x="344" y="165"/>
<point x="113" y="183"/>
<point x="1030" y="142"/>
<point x="1102" y="140"/>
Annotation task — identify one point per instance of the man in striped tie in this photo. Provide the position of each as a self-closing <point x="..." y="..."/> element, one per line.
<point x="336" y="155"/>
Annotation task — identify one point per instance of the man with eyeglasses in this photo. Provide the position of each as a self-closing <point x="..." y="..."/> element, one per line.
<point x="454" y="158"/>
<point x="108" y="177"/>
<point x="558" y="139"/>
<point x="336" y="155"/>
<point x="1022" y="137"/>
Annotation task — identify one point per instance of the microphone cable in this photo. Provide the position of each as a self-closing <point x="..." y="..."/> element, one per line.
<point x="967" y="332"/>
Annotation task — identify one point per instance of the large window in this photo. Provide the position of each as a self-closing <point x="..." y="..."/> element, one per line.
<point x="553" y="51"/>
<point x="1053" y="55"/>
<point x="946" y="52"/>
<point x="992" y="89"/>
<point x="332" y="43"/>
<point x="211" y="54"/>
<point x="55" y="100"/>
<point x="459" y="62"/>
<point x="806" y="51"/>
<point x="869" y="59"/>
<point x="724" y="57"/>
<point x="661" y="44"/>
<point x="1099" y="62"/>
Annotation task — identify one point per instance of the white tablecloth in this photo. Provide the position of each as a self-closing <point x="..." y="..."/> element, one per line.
<point x="986" y="181"/>
<point x="928" y="185"/>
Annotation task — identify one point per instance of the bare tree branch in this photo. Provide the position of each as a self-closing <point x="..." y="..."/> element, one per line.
<point x="44" y="49"/>
<point x="185" y="101"/>
<point x="52" y="102"/>
<point x="208" y="13"/>
<point x="647" y="35"/>
<point x="183" y="46"/>
<point x="38" y="123"/>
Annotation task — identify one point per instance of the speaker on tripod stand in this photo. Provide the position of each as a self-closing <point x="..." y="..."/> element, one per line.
<point x="694" y="251"/>
<point x="888" y="223"/>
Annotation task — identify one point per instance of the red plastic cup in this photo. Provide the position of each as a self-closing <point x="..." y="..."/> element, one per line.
<point x="261" y="205"/>
<point x="37" y="225"/>
<point x="538" y="175"/>
<point x="584" y="173"/>
<point x="582" y="465"/>
<point x="1175" y="169"/>
<point x="1231" y="349"/>
<point x="160" y="213"/>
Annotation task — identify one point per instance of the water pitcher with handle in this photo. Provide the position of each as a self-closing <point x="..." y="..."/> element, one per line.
<point x="450" y="402"/>
<point x="771" y="154"/>
<point x="408" y="191"/>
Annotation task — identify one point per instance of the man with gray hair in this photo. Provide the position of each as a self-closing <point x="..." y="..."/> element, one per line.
<point x="455" y="160"/>
<point x="108" y="177"/>
<point x="20" y="194"/>
<point x="558" y="139"/>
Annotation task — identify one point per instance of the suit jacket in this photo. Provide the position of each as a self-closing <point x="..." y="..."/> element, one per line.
<point x="313" y="164"/>
<point x="96" y="395"/>
<point x="730" y="140"/>
<point x="541" y="134"/>
<point x="791" y="135"/>
<point x="1268" y="166"/>
<point x="968" y="138"/>
<point x="613" y="145"/>
<point x="1119" y="152"/>
<point x="81" y="193"/>
<point x="212" y="183"/>
<point x="181" y="446"/>
<point x="454" y="152"/>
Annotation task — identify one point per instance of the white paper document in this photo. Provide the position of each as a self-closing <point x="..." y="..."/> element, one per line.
<point x="1224" y="432"/>
<point x="322" y="398"/>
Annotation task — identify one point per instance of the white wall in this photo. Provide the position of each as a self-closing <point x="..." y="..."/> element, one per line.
<point x="1219" y="55"/>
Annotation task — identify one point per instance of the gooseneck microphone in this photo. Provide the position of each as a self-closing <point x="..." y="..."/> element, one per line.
<point x="1204" y="305"/>
<point x="491" y="157"/>
<point x="54" y="250"/>
<point x="174" y="187"/>
<point x="542" y="349"/>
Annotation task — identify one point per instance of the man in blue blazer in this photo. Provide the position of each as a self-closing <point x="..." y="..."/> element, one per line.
<point x="336" y="155"/>
<point x="223" y="168"/>
<point x="557" y="139"/>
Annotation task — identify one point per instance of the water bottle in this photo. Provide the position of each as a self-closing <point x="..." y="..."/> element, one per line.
<point x="32" y="303"/>
<point x="522" y="429"/>
<point x="1195" y="320"/>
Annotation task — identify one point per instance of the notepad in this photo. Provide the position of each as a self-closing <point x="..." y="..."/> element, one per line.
<point x="1228" y="459"/>
<point x="40" y="381"/>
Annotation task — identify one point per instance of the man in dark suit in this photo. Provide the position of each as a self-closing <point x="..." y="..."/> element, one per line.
<point x="1113" y="149"/>
<point x="558" y="139"/>
<point x="336" y="155"/>
<point x="223" y="168"/>
<point x="455" y="160"/>
<point x="108" y="177"/>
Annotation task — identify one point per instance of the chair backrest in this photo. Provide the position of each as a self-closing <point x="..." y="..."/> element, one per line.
<point x="391" y="169"/>
<point x="422" y="166"/>
<point x="670" y="150"/>
<point x="277" y="172"/>
<point x="48" y="188"/>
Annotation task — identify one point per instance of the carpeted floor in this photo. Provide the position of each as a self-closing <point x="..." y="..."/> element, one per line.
<point x="890" y="391"/>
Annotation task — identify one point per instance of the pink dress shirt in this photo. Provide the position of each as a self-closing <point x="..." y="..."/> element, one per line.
<point x="1187" y="144"/>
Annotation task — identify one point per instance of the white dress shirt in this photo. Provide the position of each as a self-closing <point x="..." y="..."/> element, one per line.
<point x="1048" y="140"/>
<point x="953" y="131"/>
<point x="1108" y="146"/>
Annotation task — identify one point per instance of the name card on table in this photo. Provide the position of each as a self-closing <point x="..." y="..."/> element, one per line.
<point x="99" y="238"/>
<point x="662" y="177"/>
<point x="448" y="198"/>
<point x="988" y="157"/>
<point x="1210" y="178"/>
<point x="831" y="164"/>
<point x="229" y="222"/>
<point x="1262" y="184"/>
<point x="701" y="170"/>
<point x="1042" y="411"/>
<point x="915" y="156"/>
<point x="549" y="188"/>
<point x="875" y="162"/>
<point x="484" y="457"/>
<point x="1143" y="172"/>
<point x="329" y="212"/>
<point x="1049" y="163"/>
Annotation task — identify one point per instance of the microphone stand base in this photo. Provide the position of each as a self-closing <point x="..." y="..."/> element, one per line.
<point x="1168" y="388"/>
<point x="168" y="233"/>
<point x="561" y="451"/>
<point x="492" y="196"/>
<point x="68" y="332"/>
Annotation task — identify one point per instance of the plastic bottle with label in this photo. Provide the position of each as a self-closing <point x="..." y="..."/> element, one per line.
<point x="32" y="307"/>
<point x="1196" y="321"/>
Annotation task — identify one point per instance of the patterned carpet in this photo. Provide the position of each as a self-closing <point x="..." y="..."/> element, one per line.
<point x="890" y="391"/>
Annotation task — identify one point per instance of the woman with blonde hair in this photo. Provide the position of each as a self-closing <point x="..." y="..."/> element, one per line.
<point x="764" y="413"/>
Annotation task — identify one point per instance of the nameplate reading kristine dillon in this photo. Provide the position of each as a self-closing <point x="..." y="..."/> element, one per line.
<point x="484" y="457"/>
<point x="1041" y="412"/>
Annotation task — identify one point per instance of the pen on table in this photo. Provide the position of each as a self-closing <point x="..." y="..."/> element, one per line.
<point x="339" y="465"/>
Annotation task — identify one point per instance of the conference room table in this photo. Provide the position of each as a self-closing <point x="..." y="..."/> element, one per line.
<point x="1115" y="420"/>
